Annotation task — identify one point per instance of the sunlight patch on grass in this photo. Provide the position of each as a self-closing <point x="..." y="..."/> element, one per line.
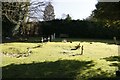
<point x="52" y="50"/>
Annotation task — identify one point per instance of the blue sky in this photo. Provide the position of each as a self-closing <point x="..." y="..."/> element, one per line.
<point x="78" y="9"/>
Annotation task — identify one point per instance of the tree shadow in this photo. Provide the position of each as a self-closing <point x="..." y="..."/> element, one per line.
<point x="102" y="75"/>
<point x="112" y="58"/>
<point x="61" y="69"/>
<point x="115" y="64"/>
<point x="104" y="78"/>
<point x="57" y="69"/>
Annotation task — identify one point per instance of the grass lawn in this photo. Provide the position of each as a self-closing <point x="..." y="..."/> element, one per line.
<point x="57" y="60"/>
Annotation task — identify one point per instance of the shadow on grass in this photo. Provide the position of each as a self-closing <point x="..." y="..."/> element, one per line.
<point x="57" y="69"/>
<point x="115" y="64"/>
<point x="112" y="58"/>
<point x="104" y="78"/>
<point x="98" y="74"/>
<point x="61" y="69"/>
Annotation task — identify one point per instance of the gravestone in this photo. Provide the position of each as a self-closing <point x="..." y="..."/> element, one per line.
<point x="48" y="39"/>
<point x="42" y="40"/>
<point x="54" y="35"/>
<point x="115" y="40"/>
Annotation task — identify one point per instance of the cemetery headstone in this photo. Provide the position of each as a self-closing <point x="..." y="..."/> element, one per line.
<point x="115" y="40"/>
<point x="54" y="35"/>
<point x="42" y="39"/>
<point x="48" y="39"/>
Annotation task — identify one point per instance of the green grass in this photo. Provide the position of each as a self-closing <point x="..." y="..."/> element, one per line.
<point x="55" y="60"/>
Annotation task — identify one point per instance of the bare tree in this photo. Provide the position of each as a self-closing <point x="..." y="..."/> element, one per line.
<point x="19" y="13"/>
<point x="14" y="12"/>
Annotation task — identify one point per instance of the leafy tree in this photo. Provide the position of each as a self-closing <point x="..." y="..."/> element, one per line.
<point x="107" y="11"/>
<point x="49" y="12"/>
<point x="109" y="14"/>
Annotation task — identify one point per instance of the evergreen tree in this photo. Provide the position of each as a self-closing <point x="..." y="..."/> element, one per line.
<point x="49" y="13"/>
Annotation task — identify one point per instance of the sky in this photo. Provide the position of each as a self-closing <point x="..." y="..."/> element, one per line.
<point x="77" y="9"/>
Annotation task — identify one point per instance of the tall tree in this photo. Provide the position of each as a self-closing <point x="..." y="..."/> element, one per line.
<point x="16" y="13"/>
<point x="13" y="13"/>
<point x="107" y="10"/>
<point x="49" y="12"/>
<point x="109" y="14"/>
